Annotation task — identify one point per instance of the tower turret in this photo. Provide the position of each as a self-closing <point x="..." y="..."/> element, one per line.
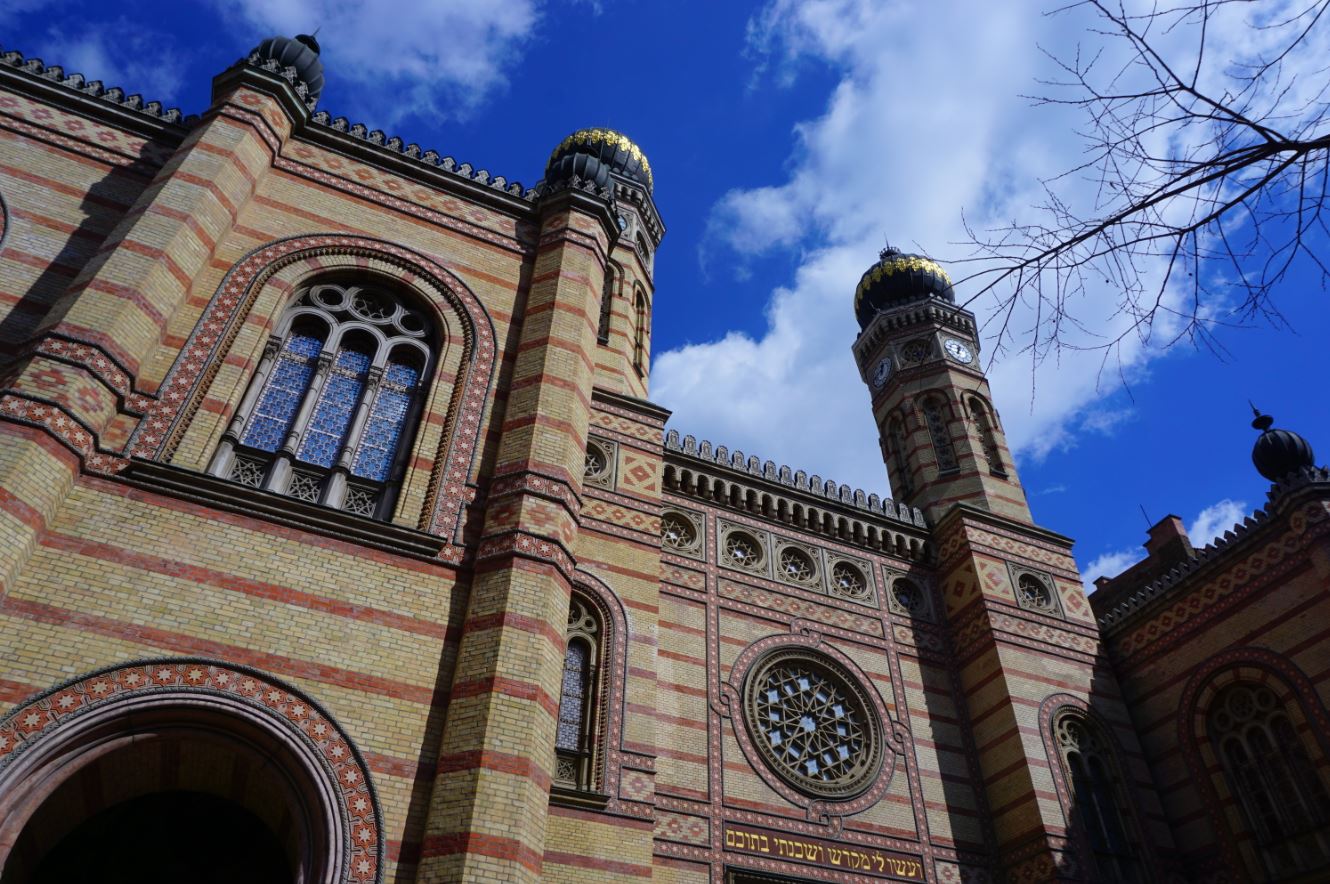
<point x="919" y="355"/>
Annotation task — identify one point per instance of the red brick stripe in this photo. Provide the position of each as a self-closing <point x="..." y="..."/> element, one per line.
<point x="19" y="509"/>
<point x="560" y="858"/>
<point x="509" y="687"/>
<point x="258" y="589"/>
<point x="501" y="762"/>
<point x="188" y="644"/>
<point x="14" y="691"/>
<point x="486" y="845"/>
<point x="520" y="622"/>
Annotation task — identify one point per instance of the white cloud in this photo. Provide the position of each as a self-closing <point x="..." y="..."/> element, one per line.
<point x="441" y="58"/>
<point x="124" y="54"/>
<point x="11" y="10"/>
<point x="1214" y="520"/>
<point x="1110" y="564"/>
<point x="926" y="121"/>
<point x="1209" y="523"/>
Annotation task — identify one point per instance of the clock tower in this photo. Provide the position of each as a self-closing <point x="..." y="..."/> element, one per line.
<point x="919" y="355"/>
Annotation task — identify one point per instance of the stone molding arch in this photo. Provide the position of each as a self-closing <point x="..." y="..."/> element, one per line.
<point x="614" y="621"/>
<point x="1050" y="709"/>
<point x="54" y="735"/>
<point x="281" y="265"/>
<point x="1251" y="665"/>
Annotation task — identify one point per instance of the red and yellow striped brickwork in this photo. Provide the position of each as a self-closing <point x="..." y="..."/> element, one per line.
<point x="385" y="695"/>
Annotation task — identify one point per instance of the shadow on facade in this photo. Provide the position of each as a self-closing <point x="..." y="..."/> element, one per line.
<point x="104" y="206"/>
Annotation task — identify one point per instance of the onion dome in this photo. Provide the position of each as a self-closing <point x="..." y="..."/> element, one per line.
<point x="898" y="278"/>
<point x="593" y="154"/>
<point x="301" y="53"/>
<point x="1278" y="453"/>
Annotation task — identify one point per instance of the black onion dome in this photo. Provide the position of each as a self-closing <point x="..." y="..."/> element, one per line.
<point x="301" y="53"/>
<point x="593" y="150"/>
<point x="1279" y="452"/>
<point x="898" y="278"/>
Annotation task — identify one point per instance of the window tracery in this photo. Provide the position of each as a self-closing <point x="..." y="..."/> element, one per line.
<point x="900" y="464"/>
<point x="742" y="550"/>
<point x="794" y="565"/>
<point x="1096" y="792"/>
<point x="575" y="739"/>
<point x="849" y="581"/>
<point x="812" y="723"/>
<point x="1282" y="797"/>
<point x="640" y="332"/>
<point x="1033" y="592"/>
<point x="987" y="438"/>
<point x="937" y="430"/>
<point x="333" y="400"/>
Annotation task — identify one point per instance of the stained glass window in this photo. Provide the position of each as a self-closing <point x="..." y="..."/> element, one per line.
<point x="575" y="754"/>
<point x="281" y="397"/>
<point x="1269" y="771"/>
<point x="337" y="402"/>
<point x="572" y="700"/>
<point x="1097" y="795"/>
<point x="330" y="405"/>
<point x="375" y="455"/>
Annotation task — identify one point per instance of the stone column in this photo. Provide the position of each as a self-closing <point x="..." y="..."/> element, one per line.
<point x="487" y="817"/>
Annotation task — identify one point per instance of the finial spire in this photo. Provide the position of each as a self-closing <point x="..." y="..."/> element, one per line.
<point x="1262" y="422"/>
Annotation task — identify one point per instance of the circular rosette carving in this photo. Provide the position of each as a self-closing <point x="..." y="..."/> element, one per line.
<point x="813" y="723"/>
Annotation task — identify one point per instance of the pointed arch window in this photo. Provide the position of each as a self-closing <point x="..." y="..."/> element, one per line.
<point x="899" y="462"/>
<point x="606" y="305"/>
<point x="937" y="430"/>
<point x="333" y="403"/>
<point x="987" y="437"/>
<point x="640" y="332"/>
<point x="1098" y="796"/>
<point x="576" y="739"/>
<point x="1282" y="796"/>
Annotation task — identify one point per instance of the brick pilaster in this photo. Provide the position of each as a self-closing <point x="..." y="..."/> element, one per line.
<point x="487" y="818"/>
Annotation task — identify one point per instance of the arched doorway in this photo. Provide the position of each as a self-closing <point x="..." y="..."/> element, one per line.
<point x="158" y="838"/>
<point x="182" y="770"/>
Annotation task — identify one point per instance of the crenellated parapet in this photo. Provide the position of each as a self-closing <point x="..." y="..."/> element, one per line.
<point x="1217" y="555"/>
<point x="79" y="84"/>
<point x="799" y="480"/>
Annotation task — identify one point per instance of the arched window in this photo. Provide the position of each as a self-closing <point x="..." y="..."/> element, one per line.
<point x="575" y="741"/>
<point x="640" y="332"/>
<point x="900" y="465"/>
<point x="987" y="438"/>
<point x="937" y="430"/>
<point x="606" y="305"/>
<point x="1282" y="796"/>
<point x="1097" y="796"/>
<point x="329" y="414"/>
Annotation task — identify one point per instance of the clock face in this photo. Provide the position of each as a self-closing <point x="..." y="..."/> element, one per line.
<point x="881" y="373"/>
<point x="958" y="351"/>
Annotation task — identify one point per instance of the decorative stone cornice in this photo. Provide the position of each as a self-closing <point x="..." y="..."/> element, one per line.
<point x="431" y="159"/>
<point x="1237" y="541"/>
<point x="795" y="480"/>
<point x="927" y="312"/>
<point x="130" y="108"/>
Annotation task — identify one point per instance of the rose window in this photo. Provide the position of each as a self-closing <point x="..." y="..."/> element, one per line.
<point x="907" y="594"/>
<point x="596" y="463"/>
<point x="742" y="550"/>
<point x="677" y="532"/>
<point x="796" y="566"/>
<point x="915" y="351"/>
<point x="848" y="581"/>
<point x="1034" y="593"/>
<point x="813" y="724"/>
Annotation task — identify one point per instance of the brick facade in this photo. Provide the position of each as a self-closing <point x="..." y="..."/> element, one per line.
<point x="385" y="694"/>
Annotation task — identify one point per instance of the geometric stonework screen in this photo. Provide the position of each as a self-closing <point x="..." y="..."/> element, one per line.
<point x="813" y="724"/>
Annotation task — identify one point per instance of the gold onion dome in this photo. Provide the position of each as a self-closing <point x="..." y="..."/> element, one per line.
<point x="898" y="278"/>
<point x="301" y="53"/>
<point x="595" y="154"/>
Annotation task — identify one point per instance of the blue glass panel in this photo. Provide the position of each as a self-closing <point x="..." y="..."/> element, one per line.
<point x="332" y="414"/>
<point x="374" y="457"/>
<point x="271" y="420"/>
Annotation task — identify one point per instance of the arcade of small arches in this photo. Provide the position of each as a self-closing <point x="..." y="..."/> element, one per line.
<point x="798" y="515"/>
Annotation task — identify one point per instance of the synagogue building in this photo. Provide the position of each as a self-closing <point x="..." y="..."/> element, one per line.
<point x="342" y="543"/>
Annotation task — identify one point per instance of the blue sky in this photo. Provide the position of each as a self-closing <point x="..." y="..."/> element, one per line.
<point x="789" y="139"/>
